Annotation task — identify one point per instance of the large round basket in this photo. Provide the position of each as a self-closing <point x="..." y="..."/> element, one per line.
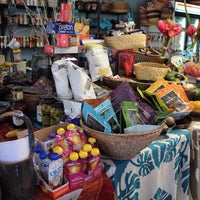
<point x="123" y="42"/>
<point x="147" y="57"/>
<point x="150" y="71"/>
<point x="122" y="146"/>
<point x="113" y="83"/>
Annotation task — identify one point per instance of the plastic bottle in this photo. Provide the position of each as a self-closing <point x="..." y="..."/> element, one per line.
<point x="44" y="164"/>
<point x="83" y="155"/>
<point x="37" y="150"/>
<point x="92" y="141"/>
<point x="55" y="171"/>
<point x="94" y="159"/>
<point x="73" y="165"/>
<point x="87" y="147"/>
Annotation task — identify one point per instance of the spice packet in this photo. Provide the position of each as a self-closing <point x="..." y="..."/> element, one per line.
<point x="129" y="114"/>
<point x="105" y="109"/>
<point x="124" y="92"/>
<point x="174" y="96"/>
<point x="160" y="83"/>
<point x="94" y="120"/>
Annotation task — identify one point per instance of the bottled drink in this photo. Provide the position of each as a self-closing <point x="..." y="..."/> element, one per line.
<point x="44" y="164"/>
<point x="55" y="171"/>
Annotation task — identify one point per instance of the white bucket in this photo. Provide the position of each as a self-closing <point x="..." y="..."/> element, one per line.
<point x="14" y="151"/>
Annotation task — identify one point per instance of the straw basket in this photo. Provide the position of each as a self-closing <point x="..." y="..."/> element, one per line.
<point x="150" y="71"/>
<point x="113" y="83"/>
<point x="124" y="42"/>
<point x="147" y="57"/>
<point x="122" y="146"/>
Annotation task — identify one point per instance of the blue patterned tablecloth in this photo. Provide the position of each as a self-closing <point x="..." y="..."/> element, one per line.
<point x="159" y="172"/>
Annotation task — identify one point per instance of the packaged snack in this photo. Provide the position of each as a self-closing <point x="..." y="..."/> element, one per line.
<point x="97" y="56"/>
<point x="174" y="96"/>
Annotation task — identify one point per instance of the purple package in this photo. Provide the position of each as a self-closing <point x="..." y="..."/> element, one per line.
<point x="124" y="92"/>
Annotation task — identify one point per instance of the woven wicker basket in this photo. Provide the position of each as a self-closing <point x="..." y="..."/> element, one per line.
<point x="147" y="57"/>
<point x="123" y="42"/>
<point x="150" y="71"/>
<point x="122" y="146"/>
<point x="113" y="83"/>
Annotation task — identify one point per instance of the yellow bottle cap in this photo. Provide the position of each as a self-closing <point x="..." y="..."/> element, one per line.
<point x="73" y="156"/>
<point x="83" y="154"/>
<point x="95" y="151"/>
<point x="58" y="150"/>
<point x="60" y="131"/>
<point x="87" y="147"/>
<point x="70" y="127"/>
<point x="92" y="140"/>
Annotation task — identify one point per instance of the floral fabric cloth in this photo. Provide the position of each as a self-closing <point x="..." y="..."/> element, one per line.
<point x="159" y="172"/>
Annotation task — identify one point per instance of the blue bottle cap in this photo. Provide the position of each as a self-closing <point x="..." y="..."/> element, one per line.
<point x="37" y="149"/>
<point x="54" y="156"/>
<point x="43" y="155"/>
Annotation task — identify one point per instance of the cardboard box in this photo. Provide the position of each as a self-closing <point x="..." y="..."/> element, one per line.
<point x="77" y="180"/>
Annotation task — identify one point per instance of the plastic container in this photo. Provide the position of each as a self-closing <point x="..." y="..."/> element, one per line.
<point x="94" y="159"/>
<point x="73" y="165"/>
<point x="55" y="171"/>
<point x="44" y="162"/>
<point x="17" y="55"/>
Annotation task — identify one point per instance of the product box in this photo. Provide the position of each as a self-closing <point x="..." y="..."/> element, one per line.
<point x="77" y="180"/>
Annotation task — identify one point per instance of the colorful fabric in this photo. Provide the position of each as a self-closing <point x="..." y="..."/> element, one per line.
<point x="158" y="172"/>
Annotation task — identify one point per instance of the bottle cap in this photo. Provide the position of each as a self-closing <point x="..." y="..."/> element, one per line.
<point x="71" y="126"/>
<point x="73" y="156"/>
<point x="43" y="155"/>
<point x="92" y="140"/>
<point x="95" y="151"/>
<point x="83" y="154"/>
<point x="87" y="147"/>
<point x="38" y="149"/>
<point x="54" y="156"/>
<point x="60" y="131"/>
<point x="57" y="149"/>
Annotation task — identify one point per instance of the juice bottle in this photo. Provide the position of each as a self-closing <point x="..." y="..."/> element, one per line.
<point x="44" y="164"/>
<point x="94" y="159"/>
<point x="83" y="155"/>
<point x="37" y="150"/>
<point x="73" y="165"/>
<point x="92" y="141"/>
<point x="55" y="175"/>
<point x="87" y="147"/>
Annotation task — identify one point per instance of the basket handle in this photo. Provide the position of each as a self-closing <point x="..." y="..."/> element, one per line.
<point x="28" y="125"/>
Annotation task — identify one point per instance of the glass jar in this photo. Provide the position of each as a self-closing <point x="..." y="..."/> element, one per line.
<point x="56" y="112"/>
<point x="46" y="105"/>
<point x="17" y="55"/>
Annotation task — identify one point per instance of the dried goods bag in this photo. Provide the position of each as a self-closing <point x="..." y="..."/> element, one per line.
<point x="98" y="60"/>
<point x="80" y="82"/>
<point x="124" y="92"/>
<point x="60" y="75"/>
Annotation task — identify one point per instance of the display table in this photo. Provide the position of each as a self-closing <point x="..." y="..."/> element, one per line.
<point x="160" y="171"/>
